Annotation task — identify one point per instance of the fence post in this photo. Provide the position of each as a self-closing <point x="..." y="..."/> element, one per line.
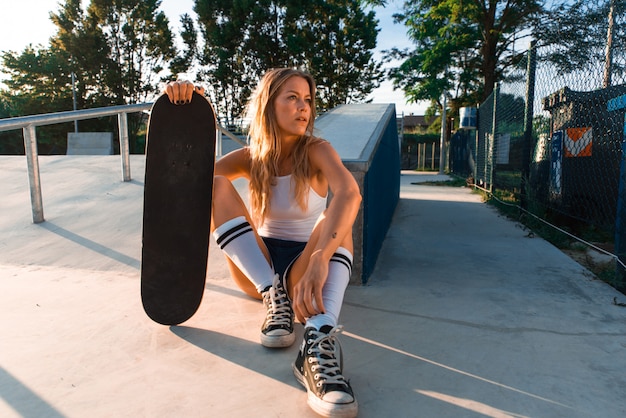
<point x="218" y="144"/>
<point x="476" y="140"/>
<point x="444" y="130"/>
<point x="122" y="123"/>
<point x="493" y="148"/>
<point x="529" y="110"/>
<point x="32" y="160"/>
<point x="432" y="156"/>
<point x="619" y="103"/>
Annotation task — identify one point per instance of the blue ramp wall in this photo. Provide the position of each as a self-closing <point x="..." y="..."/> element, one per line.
<point x="366" y="138"/>
<point x="381" y="190"/>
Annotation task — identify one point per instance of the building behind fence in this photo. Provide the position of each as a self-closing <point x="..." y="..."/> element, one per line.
<point x="554" y="141"/>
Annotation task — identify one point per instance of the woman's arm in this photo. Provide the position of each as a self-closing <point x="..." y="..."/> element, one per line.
<point x="334" y="230"/>
<point x="344" y="205"/>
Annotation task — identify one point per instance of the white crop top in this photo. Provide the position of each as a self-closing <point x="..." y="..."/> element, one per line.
<point x="285" y="219"/>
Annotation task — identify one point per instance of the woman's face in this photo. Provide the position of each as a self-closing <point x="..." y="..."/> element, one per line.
<point x="292" y="106"/>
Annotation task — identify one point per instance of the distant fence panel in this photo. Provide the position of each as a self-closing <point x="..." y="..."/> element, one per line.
<point x="575" y="145"/>
<point x="484" y="148"/>
<point x="552" y="136"/>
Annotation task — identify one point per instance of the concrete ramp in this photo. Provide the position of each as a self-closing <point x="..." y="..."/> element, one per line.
<point x="464" y="315"/>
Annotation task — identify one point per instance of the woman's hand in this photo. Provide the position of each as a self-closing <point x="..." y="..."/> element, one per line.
<point x="307" y="293"/>
<point x="181" y="91"/>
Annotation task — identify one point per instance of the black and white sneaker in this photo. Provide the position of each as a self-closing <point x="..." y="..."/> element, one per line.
<point x="277" y="329"/>
<point x="318" y="369"/>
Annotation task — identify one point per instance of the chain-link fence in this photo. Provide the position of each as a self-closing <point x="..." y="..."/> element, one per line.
<point x="552" y="135"/>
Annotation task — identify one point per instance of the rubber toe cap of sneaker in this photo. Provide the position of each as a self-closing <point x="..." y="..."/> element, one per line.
<point x="337" y="397"/>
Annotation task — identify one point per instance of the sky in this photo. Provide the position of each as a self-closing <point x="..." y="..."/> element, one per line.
<point x="24" y="22"/>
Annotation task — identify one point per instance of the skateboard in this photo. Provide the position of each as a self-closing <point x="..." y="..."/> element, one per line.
<point x="180" y="163"/>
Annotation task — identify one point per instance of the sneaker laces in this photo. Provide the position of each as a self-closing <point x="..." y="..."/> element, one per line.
<point x="323" y="352"/>
<point x="278" y="305"/>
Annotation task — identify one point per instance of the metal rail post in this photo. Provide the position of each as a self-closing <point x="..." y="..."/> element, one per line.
<point x="218" y="145"/>
<point x="529" y="110"/>
<point x="493" y="152"/>
<point x="32" y="160"/>
<point x="442" y="140"/>
<point x="122" y="122"/>
<point x="619" y="103"/>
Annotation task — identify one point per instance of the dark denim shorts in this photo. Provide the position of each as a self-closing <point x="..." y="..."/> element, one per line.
<point x="283" y="253"/>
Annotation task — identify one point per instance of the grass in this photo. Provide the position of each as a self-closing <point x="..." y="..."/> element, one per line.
<point x="455" y="181"/>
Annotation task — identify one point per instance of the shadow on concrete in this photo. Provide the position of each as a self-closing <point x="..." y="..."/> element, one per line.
<point x="23" y="400"/>
<point x="236" y="293"/>
<point x="446" y="368"/>
<point x="272" y="363"/>
<point x="92" y="245"/>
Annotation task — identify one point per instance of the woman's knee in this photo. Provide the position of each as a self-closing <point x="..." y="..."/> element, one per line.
<point x="222" y="185"/>
<point x="225" y="194"/>
<point x="227" y="203"/>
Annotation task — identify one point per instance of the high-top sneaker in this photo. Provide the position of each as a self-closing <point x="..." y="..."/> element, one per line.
<point x="318" y="369"/>
<point x="277" y="329"/>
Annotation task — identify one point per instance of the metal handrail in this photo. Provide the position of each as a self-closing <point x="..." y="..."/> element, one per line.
<point x="28" y="125"/>
<point x="69" y="116"/>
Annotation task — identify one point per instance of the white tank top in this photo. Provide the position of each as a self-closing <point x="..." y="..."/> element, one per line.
<point x="285" y="219"/>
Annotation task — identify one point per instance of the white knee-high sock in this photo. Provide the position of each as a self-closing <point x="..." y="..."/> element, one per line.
<point x="339" y="271"/>
<point x="236" y="238"/>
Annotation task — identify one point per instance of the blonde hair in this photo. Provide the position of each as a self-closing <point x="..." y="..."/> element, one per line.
<point x="265" y="147"/>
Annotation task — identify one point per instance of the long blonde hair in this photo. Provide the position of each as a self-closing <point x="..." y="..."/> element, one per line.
<point x="265" y="147"/>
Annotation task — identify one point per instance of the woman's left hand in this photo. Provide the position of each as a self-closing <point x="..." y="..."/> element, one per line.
<point x="181" y="91"/>
<point x="307" y="293"/>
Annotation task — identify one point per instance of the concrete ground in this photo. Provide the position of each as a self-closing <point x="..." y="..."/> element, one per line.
<point x="465" y="315"/>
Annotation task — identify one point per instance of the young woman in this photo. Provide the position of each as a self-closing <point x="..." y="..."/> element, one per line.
<point x="292" y="249"/>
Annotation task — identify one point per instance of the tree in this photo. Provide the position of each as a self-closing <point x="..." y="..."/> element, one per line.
<point x="39" y="82"/>
<point x="576" y="35"/>
<point x="181" y="63"/>
<point x="225" y="64"/>
<point x="82" y="44"/>
<point x="462" y="48"/>
<point x="242" y="39"/>
<point x="139" y="44"/>
<point x="118" y="50"/>
<point x="335" y="41"/>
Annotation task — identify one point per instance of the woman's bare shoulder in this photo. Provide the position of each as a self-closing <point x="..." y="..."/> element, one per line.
<point x="321" y="148"/>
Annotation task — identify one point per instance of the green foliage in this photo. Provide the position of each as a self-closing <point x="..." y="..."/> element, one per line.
<point x="333" y="40"/>
<point x="184" y="61"/>
<point x="139" y="43"/>
<point x="39" y="82"/>
<point x="577" y="31"/>
<point x="511" y="114"/>
<point x="461" y="48"/>
<point x="229" y="30"/>
<point x="11" y="142"/>
<point x="117" y="50"/>
<point x="420" y="138"/>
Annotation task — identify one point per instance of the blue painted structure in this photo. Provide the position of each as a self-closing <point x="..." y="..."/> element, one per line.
<point x="366" y="138"/>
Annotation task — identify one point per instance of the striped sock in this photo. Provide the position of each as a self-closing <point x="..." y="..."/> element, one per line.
<point x="339" y="271"/>
<point x="236" y="238"/>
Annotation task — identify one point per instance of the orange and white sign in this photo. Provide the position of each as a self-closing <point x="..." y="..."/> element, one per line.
<point x="577" y="142"/>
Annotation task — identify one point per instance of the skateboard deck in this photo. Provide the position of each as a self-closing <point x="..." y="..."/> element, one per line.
<point x="180" y="162"/>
